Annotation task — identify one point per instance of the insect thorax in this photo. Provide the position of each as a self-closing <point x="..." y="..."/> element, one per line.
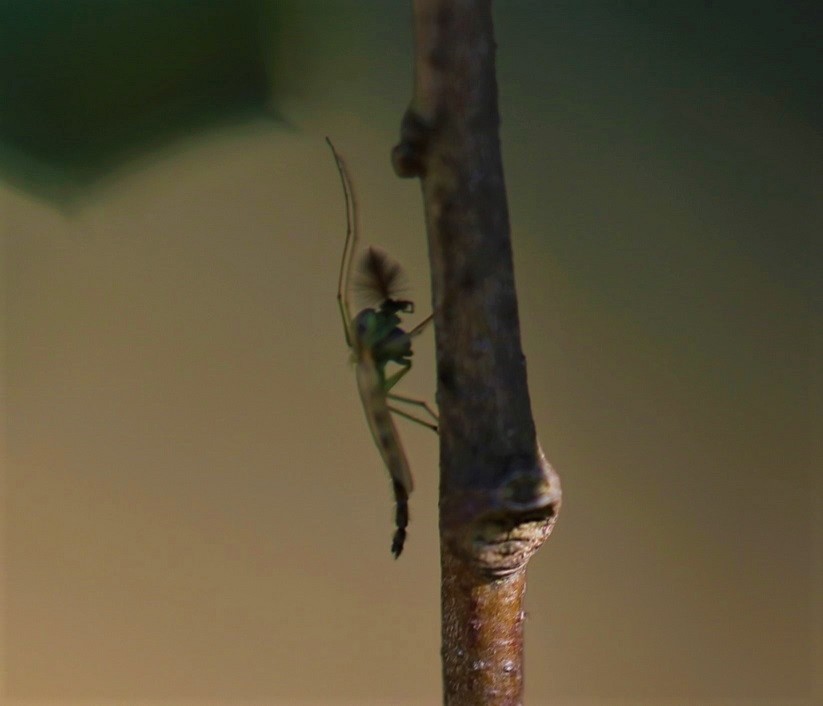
<point x="378" y="331"/>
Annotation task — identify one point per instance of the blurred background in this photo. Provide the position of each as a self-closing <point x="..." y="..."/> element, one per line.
<point x="192" y="507"/>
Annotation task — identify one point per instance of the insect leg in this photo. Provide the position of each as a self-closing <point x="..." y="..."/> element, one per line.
<point x="348" y="247"/>
<point x="417" y="330"/>
<point x="394" y="378"/>
<point x="416" y="402"/>
<point x="412" y="418"/>
<point x="391" y="381"/>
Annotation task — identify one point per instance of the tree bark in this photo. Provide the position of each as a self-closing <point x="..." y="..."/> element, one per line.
<point x="499" y="497"/>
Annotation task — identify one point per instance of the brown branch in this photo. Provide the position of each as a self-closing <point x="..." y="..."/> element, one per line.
<point x="499" y="497"/>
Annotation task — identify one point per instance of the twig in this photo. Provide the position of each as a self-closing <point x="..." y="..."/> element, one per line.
<point x="499" y="497"/>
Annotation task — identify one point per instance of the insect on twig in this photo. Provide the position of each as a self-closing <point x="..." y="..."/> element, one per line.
<point x="375" y="339"/>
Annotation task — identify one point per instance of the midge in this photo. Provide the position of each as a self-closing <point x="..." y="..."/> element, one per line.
<point x="375" y="339"/>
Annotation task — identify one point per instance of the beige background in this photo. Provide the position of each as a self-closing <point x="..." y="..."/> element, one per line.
<point x="193" y="510"/>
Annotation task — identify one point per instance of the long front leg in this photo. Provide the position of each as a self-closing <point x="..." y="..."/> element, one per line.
<point x="349" y="245"/>
<point x="417" y="330"/>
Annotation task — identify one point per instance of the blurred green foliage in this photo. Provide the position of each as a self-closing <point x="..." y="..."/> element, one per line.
<point x="85" y="84"/>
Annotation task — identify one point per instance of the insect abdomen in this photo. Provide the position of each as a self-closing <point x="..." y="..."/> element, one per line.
<point x="387" y="440"/>
<point x="401" y="518"/>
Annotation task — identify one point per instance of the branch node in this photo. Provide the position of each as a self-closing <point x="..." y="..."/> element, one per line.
<point x="506" y="526"/>
<point x="409" y="155"/>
